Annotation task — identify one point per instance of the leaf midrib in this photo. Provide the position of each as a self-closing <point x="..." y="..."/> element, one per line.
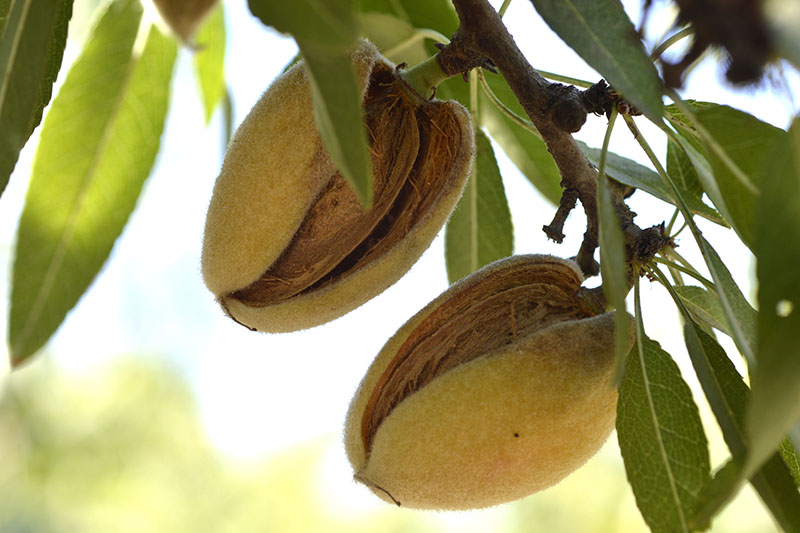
<point x="53" y="268"/>
<point x="659" y="438"/>
<point x="13" y="52"/>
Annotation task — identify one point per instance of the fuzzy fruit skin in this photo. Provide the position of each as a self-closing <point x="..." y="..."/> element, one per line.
<point x="272" y="172"/>
<point x="497" y="428"/>
<point x="274" y="169"/>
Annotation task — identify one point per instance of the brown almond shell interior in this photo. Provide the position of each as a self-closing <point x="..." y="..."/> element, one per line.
<point x="507" y="305"/>
<point x="413" y="146"/>
<point x="336" y="223"/>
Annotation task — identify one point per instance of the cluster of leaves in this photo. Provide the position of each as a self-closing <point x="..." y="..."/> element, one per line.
<point x="97" y="145"/>
<point x="101" y="135"/>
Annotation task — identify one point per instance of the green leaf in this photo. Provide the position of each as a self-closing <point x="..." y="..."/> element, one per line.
<point x="631" y="173"/>
<point x="775" y="408"/>
<point x="696" y="156"/>
<point x="791" y="459"/>
<point x="394" y="37"/>
<point x="704" y="306"/>
<point x="209" y="60"/>
<point x="326" y="33"/>
<point x="613" y="269"/>
<point x="437" y="15"/>
<point x="741" y="317"/>
<point x="331" y="23"/>
<point x="526" y="151"/>
<point x="97" y="146"/>
<point x="737" y="149"/>
<point x="601" y="33"/>
<point x="715" y="494"/>
<point x="340" y="117"/>
<point x="686" y="179"/>
<point x="33" y="34"/>
<point x="728" y="396"/>
<point x="227" y="118"/>
<point x="661" y="438"/>
<point x="5" y="10"/>
<point x="480" y="230"/>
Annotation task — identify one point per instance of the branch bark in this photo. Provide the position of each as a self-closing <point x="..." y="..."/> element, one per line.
<point x="555" y="109"/>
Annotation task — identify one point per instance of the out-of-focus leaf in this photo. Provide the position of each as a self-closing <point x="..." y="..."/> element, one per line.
<point x="331" y="23"/>
<point x="97" y="146"/>
<point x="738" y="150"/>
<point x="601" y="33"/>
<point x="227" y="123"/>
<point x="704" y="306"/>
<point x="209" y="60"/>
<point x="631" y="173"/>
<point x="715" y="494"/>
<point x="392" y="34"/>
<point x="528" y="152"/>
<point x="728" y="396"/>
<point x="454" y="89"/>
<point x="326" y="33"/>
<point x="661" y="438"/>
<point x="5" y="9"/>
<point x="437" y="15"/>
<point x="783" y="19"/>
<point x="480" y="230"/>
<point x="775" y="408"/>
<point x="33" y="34"/>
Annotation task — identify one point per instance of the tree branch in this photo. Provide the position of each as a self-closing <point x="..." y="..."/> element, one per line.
<point x="555" y="109"/>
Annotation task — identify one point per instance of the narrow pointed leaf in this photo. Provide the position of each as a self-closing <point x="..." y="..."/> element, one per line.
<point x="613" y="269"/>
<point x="480" y="230"/>
<point x="728" y="396"/>
<point x="685" y="177"/>
<point x="661" y="438"/>
<point x="775" y="408"/>
<point x="98" y="144"/>
<point x="526" y="150"/>
<point x="437" y="15"/>
<point x="601" y="33"/>
<point x="227" y="118"/>
<point x="740" y="315"/>
<point x="33" y="34"/>
<point x="5" y="10"/>
<point x="704" y="306"/>
<point x="792" y="460"/>
<point x="209" y="61"/>
<point x="393" y="34"/>
<point x="716" y="493"/>
<point x="696" y="156"/>
<point x="326" y="32"/>
<point x="631" y="173"/>
<point x="738" y="150"/>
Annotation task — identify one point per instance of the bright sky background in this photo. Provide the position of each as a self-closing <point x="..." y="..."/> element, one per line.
<point x="260" y="393"/>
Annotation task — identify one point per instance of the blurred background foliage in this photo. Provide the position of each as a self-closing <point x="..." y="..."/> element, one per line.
<point x="122" y="448"/>
<point x="126" y="443"/>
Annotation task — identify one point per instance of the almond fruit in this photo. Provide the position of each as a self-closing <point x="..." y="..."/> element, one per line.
<point x="287" y="243"/>
<point x="498" y="388"/>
